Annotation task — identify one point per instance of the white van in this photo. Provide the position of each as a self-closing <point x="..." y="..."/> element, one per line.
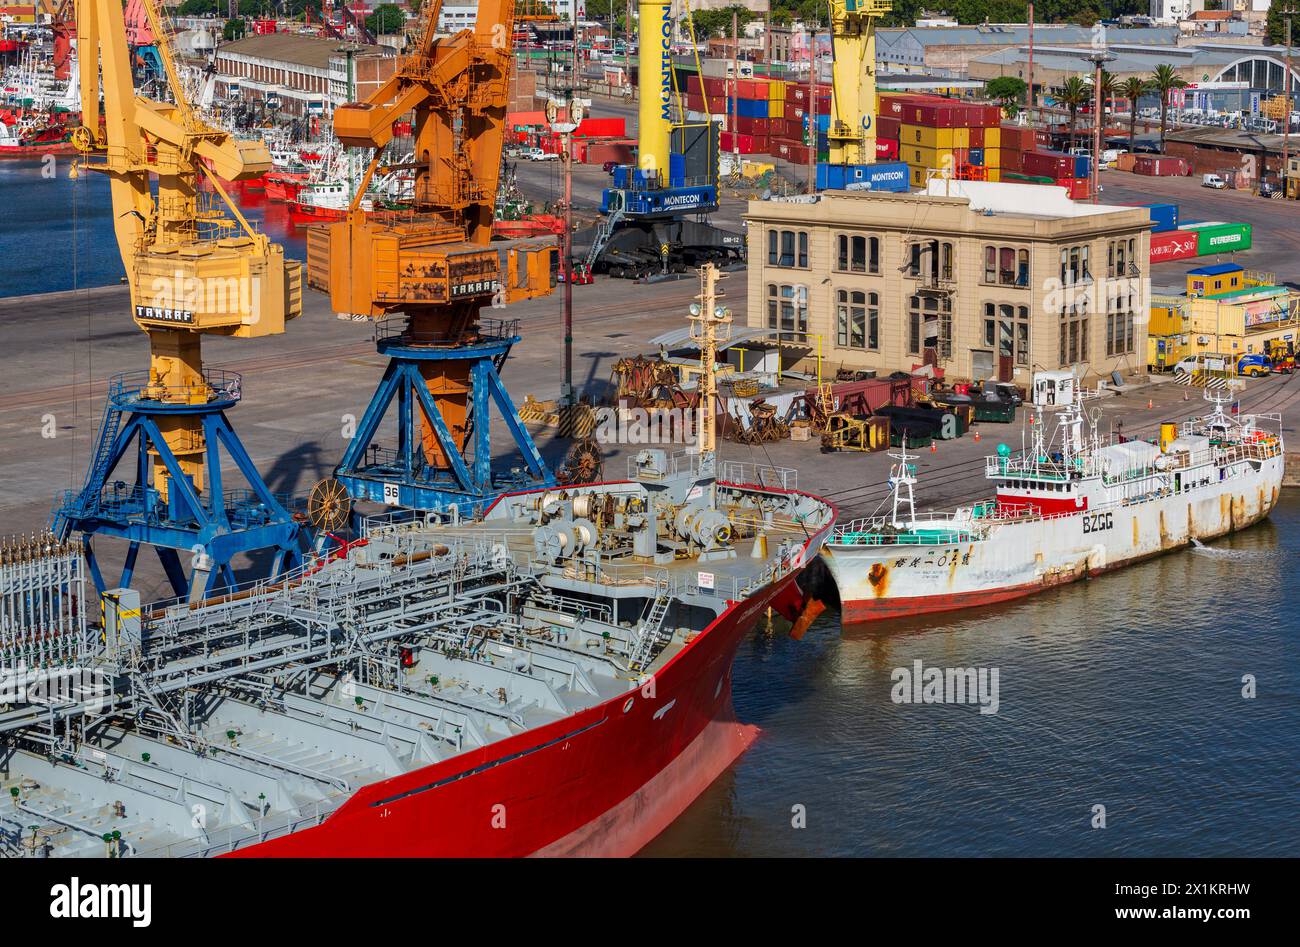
<point x="1214" y="181"/>
<point x="1202" y="363"/>
<point x="1111" y="155"/>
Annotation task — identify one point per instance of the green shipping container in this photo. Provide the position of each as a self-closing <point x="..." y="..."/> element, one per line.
<point x="1223" y="238"/>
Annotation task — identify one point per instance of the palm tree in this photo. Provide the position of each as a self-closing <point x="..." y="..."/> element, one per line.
<point x="1073" y="94"/>
<point x="1133" y="88"/>
<point x="1163" y="82"/>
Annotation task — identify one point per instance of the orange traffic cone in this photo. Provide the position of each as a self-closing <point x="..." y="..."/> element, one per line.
<point x="933" y="448"/>
<point x="977" y="437"/>
<point x="1150" y="404"/>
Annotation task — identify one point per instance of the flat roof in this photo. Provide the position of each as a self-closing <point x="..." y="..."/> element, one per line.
<point x="1216" y="269"/>
<point x="312" y="51"/>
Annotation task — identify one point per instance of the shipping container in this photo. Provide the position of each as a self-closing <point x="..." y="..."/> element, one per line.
<point x="886" y="149"/>
<point x="1160" y="166"/>
<point x="977" y="157"/>
<point x="1164" y="217"/>
<point x="1173" y="245"/>
<point x="925" y="137"/>
<point x="1222" y="238"/>
<point x="1051" y="164"/>
<point x="620" y="152"/>
<point x="891" y="176"/>
<point x="757" y="127"/>
<point x="1082" y="166"/>
<point x="601" y="128"/>
<point x="740" y="144"/>
<point x="887" y="127"/>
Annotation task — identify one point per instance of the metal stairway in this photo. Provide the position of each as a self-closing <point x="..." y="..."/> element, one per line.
<point x="88" y="500"/>
<point x="604" y="231"/>
<point x="651" y="628"/>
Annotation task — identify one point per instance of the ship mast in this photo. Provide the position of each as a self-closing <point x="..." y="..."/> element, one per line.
<point x="902" y="477"/>
<point x="710" y="324"/>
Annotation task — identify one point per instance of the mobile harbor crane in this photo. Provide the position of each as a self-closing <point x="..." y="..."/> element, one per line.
<point x="192" y="271"/>
<point x="851" y="138"/>
<point x="426" y="275"/>
<point x="646" y="227"/>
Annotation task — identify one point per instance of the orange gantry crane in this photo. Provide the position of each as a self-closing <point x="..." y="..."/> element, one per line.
<point x="195" y="267"/>
<point x="427" y="275"/>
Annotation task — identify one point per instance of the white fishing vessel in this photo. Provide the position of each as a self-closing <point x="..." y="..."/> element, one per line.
<point x="1072" y="504"/>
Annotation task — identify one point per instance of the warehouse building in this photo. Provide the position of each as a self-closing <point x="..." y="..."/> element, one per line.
<point x="979" y="280"/>
<point x="300" y="75"/>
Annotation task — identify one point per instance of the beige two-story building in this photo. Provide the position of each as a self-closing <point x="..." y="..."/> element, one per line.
<point x="980" y="279"/>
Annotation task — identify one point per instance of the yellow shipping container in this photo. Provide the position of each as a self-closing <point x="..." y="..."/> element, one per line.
<point x="927" y="157"/>
<point x="1165" y="320"/>
<point x="776" y="90"/>
<point x="775" y="108"/>
<point x="992" y="174"/>
<point x="934" y="138"/>
<point x="993" y="136"/>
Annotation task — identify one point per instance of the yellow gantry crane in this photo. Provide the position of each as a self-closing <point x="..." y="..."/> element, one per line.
<point x="851" y="138"/>
<point x="195" y="267"/>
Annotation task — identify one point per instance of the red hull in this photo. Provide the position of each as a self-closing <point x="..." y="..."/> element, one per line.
<point x="283" y="187"/>
<point x="303" y="214"/>
<point x="38" y="150"/>
<point x="604" y="781"/>
<point x="875" y="609"/>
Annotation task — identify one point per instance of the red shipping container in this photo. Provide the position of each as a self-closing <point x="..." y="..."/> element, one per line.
<point x="753" y="88"/>
<point x="1160" y="165"/>
<point x="714" y="85"/>
<point x="757" y="127"/>
<point x="743" y="144"/>
<point x="1173" y="245"/>
<point x="693" y="84"/>
<point x="601" y="128"/>
<point x="1048" y="164"/>
<point x="977" y="137"/>
<point x="1010" y="160"/>
<point x="1080" y="188"/>
<point x="598" y="152"/>
<point x="886" y="149"/>
<point x="887" y="126"/>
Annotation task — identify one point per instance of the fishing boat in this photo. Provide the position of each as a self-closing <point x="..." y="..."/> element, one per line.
<point x="1070" y="505"/>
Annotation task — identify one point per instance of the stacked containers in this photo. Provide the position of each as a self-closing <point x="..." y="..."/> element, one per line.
<point x="936" y="133"/>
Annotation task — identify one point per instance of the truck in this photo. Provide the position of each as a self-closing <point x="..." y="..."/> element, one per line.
<point x="1214" y="181"/>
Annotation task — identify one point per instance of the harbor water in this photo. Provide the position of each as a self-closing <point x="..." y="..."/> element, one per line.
<point x="70" y="223"/>
<point x="1125" y="691"/>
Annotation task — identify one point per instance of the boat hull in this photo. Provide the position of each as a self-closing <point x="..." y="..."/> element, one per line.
<point x="602" y="782"/>
<point x="1020" y="558"/>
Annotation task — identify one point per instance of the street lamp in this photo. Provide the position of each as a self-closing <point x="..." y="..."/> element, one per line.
<point x="1099" y="57"/>
<point x="572" y="118"/>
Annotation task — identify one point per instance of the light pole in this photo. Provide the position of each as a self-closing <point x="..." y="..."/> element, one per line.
<point x="572" y="118"/>
<point x="1098" y="57"/>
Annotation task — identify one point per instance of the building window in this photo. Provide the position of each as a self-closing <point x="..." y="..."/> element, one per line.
<point x="1121" y="257"/>
<point x="857" y="320"/>
<point x="787" y="308"/>
<point x="857" y="254"/>
<point x="929" y="325"/>
<point x="787" y="248"/>
<point x="1074" y="265"/>
<point x="1006" y="266"/>
<point x="1006" y="328"/>
<point x="1074" y="331"/>
<point x="1120" y="336"/>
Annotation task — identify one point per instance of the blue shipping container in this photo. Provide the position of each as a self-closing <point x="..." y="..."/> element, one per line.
<point x="1082" y="166"/>
<point x="1164" y="217"/>
<point x="748" y="108"/>
<point x="891" y="176"/>
<point x="976" y="156"/>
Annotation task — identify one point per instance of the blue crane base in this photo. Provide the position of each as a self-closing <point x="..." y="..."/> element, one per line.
<point x="404" y="476"/>
<point x="218" y="523"/>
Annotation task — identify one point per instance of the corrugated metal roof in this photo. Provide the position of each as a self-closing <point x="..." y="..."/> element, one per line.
<point x="680" y="338"/>
<point x="312" y="51"/>
<point x="1216" y="269"/>
<point x="1017" y="35"/>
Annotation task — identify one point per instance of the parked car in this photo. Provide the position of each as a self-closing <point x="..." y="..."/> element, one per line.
<point x="1214" y="181"/>
<point x="609" y="166"/>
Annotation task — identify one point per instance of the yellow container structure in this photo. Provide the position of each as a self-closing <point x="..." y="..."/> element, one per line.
<point x="776" y="108"/>
<point x="1166" y="319"/>
<point x="933" y="138"/>
<point x="992" y="137"/>
<point x="1168" y="434"/>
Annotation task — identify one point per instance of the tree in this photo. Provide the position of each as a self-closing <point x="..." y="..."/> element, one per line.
<point x="1074" y="94"/>
<point x="1109" y="90"/>
<point x="234" y="29"/>
<point x="709" y="23"/>
<point x="1007" y="91"/>
<point x="1275" y="25"/>
<point x="1163" y="82"/>
<point x="1133" y="88"/>
<point x="197" y="8"/>
<point x="386" y="18"/>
